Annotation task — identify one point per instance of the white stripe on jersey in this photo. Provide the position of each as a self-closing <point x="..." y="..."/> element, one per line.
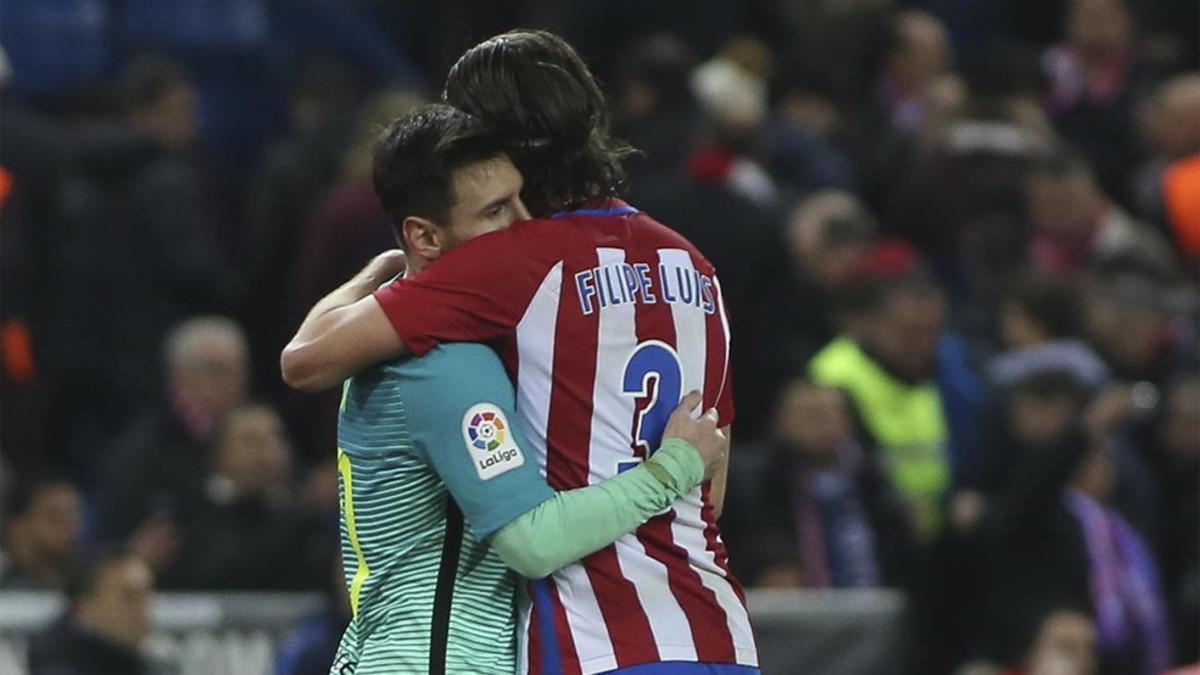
<point x="524" y="614"/>
<point x="728" y="335"/>
<point x="535" y="359"/>
<point x="691" y="340"/>
<point x="691" y="331"/>
<point x="584" y="618"/>
<point x="612" y="411"/>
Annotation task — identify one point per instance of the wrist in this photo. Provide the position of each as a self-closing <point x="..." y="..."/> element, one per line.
<point x="677" y="465"/>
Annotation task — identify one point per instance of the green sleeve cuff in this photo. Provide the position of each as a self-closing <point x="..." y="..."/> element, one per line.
<point x="677" y="465"/>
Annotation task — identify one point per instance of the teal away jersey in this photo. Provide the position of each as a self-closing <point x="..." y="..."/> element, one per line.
<point x="421" y="444"/>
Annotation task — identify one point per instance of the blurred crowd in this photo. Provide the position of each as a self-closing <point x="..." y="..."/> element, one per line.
<point x="959" y="241"/>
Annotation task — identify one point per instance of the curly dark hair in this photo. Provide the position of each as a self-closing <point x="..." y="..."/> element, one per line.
<point x="535" y="91"/>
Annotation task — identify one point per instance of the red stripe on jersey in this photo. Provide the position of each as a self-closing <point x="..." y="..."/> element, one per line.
<point x="628" y="627"/>
<point x="714" y="544"/>
<point x="706" y="618"/>
<point x="533" y="650"/>
<point x="569" y="424"/>
<point x="509" y="357"/>
<point x="566" y="644"/>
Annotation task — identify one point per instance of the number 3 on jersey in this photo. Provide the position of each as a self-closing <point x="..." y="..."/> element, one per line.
<point x="652" y="361"/>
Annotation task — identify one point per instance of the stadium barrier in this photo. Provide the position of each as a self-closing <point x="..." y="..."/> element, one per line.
<point x="810" y="632"/>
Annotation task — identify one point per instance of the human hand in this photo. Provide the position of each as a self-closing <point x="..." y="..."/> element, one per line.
<point x="701" y="433"/>
<point x="383" y="267"/>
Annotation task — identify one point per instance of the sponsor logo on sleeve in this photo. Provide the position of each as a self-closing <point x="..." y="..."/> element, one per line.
<point x="490" y="441"/>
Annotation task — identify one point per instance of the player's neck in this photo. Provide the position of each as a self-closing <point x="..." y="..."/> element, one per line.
<point x="416" y="263"/>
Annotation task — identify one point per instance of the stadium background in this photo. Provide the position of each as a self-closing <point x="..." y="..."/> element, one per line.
<point x="997" y="200"/>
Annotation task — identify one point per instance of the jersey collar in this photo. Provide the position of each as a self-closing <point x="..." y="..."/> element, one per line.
<point x="612" y="207"/>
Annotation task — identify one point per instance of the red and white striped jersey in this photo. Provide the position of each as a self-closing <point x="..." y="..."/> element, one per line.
<point x="604" y="319"/>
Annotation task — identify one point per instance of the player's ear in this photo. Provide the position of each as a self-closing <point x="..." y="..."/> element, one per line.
<point x="423" y="237"/>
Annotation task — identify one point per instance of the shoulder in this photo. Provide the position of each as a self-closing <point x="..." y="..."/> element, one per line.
<point x="454" y="359"/>
<point x="467" y="367"/>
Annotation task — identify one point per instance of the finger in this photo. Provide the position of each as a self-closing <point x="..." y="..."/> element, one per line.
<point x="712" y="414"/>
<point x="690" y="402"/>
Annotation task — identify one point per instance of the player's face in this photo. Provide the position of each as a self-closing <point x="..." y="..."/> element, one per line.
<point x="487" y="198"/>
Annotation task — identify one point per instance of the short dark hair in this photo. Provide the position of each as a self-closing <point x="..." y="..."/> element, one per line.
<point x="536" y="91"/>
<point x="417" y="155"/>
<point x="1054" y="303"/>
<point x="147" y="78"/>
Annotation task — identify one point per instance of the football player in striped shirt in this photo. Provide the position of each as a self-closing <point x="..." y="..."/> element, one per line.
<point x="603" y="318"/>
<point x="432" y="467"/>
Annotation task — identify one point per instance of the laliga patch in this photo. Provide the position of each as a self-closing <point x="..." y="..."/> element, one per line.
<point x="490" y="441"/>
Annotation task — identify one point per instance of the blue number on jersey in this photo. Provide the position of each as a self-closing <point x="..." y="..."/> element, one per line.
<point x="652" y="360"/>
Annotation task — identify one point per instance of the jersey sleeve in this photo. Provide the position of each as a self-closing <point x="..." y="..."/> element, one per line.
<point x="461" y="405"/>
<point x="475" y="293"/>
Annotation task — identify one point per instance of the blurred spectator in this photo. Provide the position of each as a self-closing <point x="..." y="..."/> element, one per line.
<point x="1133" y="312"/>
<point x="801" y="133"/>
<point x="886" y="361"/>
<point x="1042" y="326"/>
<point x="207" y="376"/>
<point x="107" y="621"/>
<point x="141" y="240"/>
<point x="1074" y="223"/>
<point x="828" y="233"/>
<point x="294" y="174"/>
<point x="654" y="107"/>
<point x="43" y="521"/>
<point x="312" y="646"/>
<point x="1169" y="127"/>
<point x="914" y="94"/>
<point x="1065" y="644"/>
<point x="247" y="533"/>
<point x="1057" y="543"/>
<point x="1092" y="76"/>
<point x="813" y="508"/>
<point x="916" y="77"/>
<point x="1177" y="460"/>
<point x="732" y="90"/>
<point x="1006" y="83"/>
<point x="348" y="228"/>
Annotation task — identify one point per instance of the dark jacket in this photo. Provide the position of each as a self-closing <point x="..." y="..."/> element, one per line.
<point x="761" y="530"/>
<point x="66" y="648"/>
<point x="251" y="544"/>
<point x="1038" y="553"/>
<point x="157" y="465"/>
